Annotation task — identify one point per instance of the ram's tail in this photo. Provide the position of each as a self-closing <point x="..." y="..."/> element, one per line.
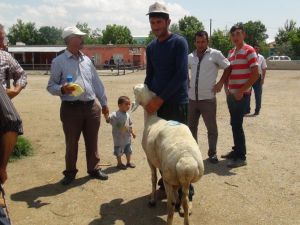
<point x="187" y="170"/>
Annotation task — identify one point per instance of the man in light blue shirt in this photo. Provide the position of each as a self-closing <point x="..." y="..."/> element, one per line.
<point x="78" y="113"/>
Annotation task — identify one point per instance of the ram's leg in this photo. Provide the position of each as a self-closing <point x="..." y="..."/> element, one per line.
<point x="185" y="203"/>
<point x="152" y="201"/>
<point x="171" y="192"/>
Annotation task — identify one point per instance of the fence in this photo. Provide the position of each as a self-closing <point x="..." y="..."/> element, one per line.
<point x="283" y="65"/>
<point x="112" y="70"/>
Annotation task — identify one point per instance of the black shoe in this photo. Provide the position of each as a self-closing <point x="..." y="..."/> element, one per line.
<point x="67" y="180"/>
<point x="213" y="159"/>
<point x="229" y="155"/>
<point x="98" y="174"/>
<point x="234" y="163"/>
<point x="256" y="113"/>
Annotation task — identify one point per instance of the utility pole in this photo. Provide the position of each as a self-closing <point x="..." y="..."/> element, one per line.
<point x="210" y="23"/>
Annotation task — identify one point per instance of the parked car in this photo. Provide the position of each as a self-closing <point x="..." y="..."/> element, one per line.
<point x="279" y="58"/>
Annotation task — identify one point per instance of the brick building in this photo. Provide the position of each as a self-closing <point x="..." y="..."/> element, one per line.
<point x="40" y="57"/>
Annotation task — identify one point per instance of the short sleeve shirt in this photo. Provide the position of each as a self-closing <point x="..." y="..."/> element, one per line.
<point x="121" y="126"/>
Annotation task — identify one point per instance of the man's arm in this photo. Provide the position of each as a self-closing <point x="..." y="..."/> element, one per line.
<point x="264" y="71"/>
<point x="100" y="91"/>
<point x="18" y="75"/>
<point x="223" y="80"/>
<point x="149" y="68"/>
<point x="263" y="76"/>
<point x="54" y="86"/>
<point x="253" y="77"/>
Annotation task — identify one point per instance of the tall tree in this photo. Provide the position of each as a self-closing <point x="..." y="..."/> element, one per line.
<point x="50" y="35"/>
<point x="92" y="36"/>
<point x="23" y="32"/>
<point x="150" y="37"/>
<point x="188" y="26"/>
<point x="220" y="40"/>
<point x="117" y="34"/>
<point x="283" y="33"/>
<point x="174" y="28"/>
<point x="255" y="32"/>
<point x="288" y="40"/>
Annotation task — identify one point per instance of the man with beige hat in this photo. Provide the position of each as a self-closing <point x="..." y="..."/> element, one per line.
<point x="80" y="112"/>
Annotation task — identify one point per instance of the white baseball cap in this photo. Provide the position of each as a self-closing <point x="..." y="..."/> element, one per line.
<point x="68" y="31"/>
<point x="158" y="8"/>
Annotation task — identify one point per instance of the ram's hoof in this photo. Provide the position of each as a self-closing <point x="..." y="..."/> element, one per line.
<point x="151" y="204"/>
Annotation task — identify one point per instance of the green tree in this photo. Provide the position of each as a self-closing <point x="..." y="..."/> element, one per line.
<point x="150" y="37"/>
<point x="284" y="33"/>
<point x="50" y="35"/>
<point x="174" y="28"/>
<point x="220" y="40"/>
<point x="23" y="32"/>
<point x="288" y="40"/>
<point x="117" y="34"/>
<point x="255" y="32"/>
<point x="92" y="36"/>
<point x="188" y="26"/>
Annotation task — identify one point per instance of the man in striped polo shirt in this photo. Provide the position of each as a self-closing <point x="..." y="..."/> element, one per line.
<point x="243" y="73"/>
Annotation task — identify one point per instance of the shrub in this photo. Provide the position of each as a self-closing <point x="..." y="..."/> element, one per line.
<point x="22" y="148"/>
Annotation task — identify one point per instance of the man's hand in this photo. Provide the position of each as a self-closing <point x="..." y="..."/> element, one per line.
<point x="66" y="89"/>
<point x="13" y="92"/>
<point x="3" y="175"/>
<point x="238" y="96"/>
<point x="154" y="104"/>
<point x="133" y="135"/>
<point x="105" y="110"/>
<point x="218" y="87"/>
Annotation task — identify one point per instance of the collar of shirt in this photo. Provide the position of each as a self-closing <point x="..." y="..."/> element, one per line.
<point x="206" y="51"/>
<point x="69" y="54"/>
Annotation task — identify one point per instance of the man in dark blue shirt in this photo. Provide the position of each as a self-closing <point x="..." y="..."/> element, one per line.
<point x="167" y="71"/>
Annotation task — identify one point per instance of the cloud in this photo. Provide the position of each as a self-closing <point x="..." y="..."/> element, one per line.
<point x="97" y="13"/>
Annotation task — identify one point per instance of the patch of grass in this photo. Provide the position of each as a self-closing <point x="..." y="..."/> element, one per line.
<point x="22" y="149"/>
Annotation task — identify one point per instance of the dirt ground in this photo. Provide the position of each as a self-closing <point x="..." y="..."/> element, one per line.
<point x="267" y="191"/>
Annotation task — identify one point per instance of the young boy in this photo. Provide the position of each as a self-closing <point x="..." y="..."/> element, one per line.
<point x="122" y="131"/>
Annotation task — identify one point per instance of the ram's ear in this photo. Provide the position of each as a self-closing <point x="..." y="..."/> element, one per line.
<point x="134" y="106"/>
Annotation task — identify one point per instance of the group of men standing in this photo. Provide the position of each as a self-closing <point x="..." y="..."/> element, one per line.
<point x="185" y="98"/>
<point x="179" y="97"/>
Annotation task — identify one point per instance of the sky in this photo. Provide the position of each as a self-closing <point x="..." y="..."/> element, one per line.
<point x="132" y="13"/>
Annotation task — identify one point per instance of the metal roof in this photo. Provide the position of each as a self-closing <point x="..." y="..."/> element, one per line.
<point x="36" y="48"/>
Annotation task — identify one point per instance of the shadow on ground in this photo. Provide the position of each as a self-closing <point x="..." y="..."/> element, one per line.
<point x="134" y="212"/>
<point x="220" y="168"/>
<point x="31" y="196"/>
<point x="111" y="169"/>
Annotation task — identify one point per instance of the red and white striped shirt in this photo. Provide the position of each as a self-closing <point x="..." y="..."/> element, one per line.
<point x="241" y="62"/>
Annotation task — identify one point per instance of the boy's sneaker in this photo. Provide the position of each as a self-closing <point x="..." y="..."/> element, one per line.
<point x="234" y="163"/>
<point x="130" y="165"/>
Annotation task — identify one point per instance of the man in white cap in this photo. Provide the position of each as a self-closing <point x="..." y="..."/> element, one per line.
<point x="167" y="71"/>
<point x="79" y="114"/>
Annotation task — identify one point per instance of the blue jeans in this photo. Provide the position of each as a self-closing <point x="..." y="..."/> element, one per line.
<point x="258" y="93"/>
<point x="236" y="110"/>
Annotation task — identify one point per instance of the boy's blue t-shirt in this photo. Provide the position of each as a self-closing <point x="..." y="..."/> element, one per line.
<point x="167" y="69"/>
